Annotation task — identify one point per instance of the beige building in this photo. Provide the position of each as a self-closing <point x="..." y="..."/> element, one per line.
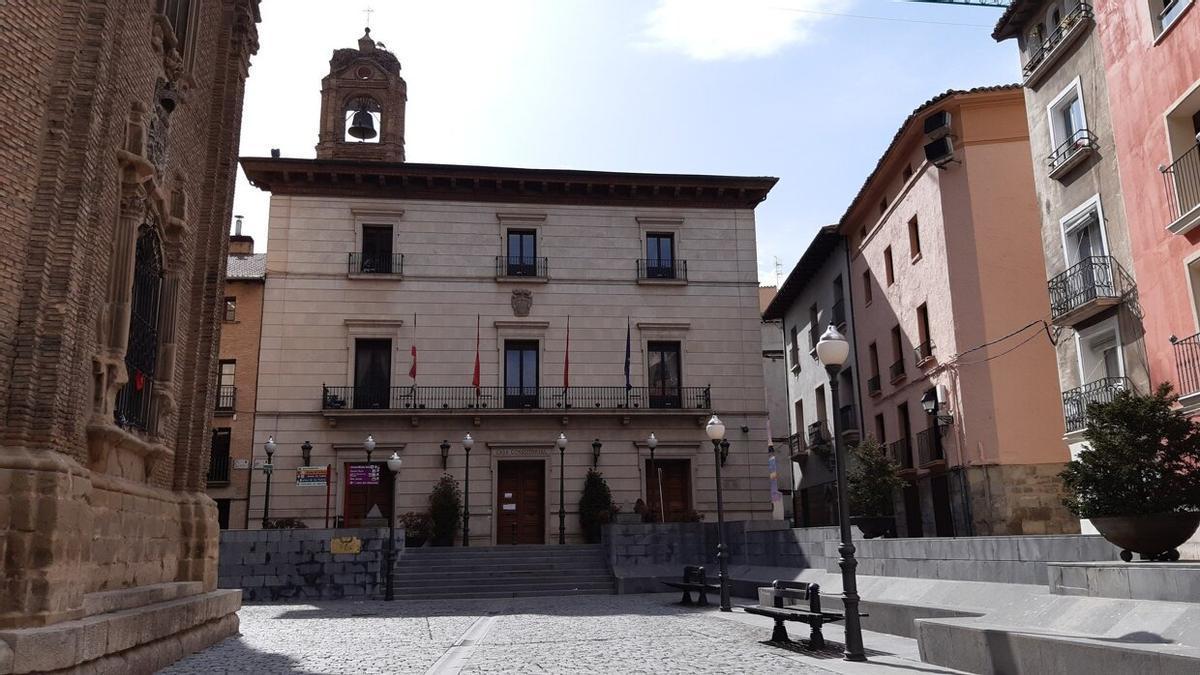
<point x="232" y="445"/>
<point x="417" y="303"/>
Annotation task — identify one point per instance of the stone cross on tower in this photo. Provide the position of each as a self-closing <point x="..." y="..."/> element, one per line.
<point x="363" y="90"/>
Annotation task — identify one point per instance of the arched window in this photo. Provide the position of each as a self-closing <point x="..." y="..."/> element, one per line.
<point x="135" y="399"/>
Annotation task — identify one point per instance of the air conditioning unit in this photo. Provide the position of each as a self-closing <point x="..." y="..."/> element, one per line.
<point x="937" y="125"/>
<point x="940" y="152"/>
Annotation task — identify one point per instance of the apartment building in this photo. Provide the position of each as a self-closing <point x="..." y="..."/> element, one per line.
<point x="1094" y="299"/>
<point x="232" y="446"/>
<point x="813" y="297"/>
<point x="415" y="304"/>
<point x="774" y="378"/>
<point x="947" y="262"/>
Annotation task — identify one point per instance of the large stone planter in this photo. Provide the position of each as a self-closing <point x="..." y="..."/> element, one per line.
<point x="1155" y="536"/>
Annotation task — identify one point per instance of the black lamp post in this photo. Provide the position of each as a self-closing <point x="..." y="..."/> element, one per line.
<point x="724" y="451"/>
<point x="716" y="433"/>
<point x="306" y="452"/>
<point x="394" y="462"/>
<point x="269" y="446"/>
<point x="832" y="351"/>
<point x="445" y="447"/>
<point x="467" y="442"/>
<point x="562" y="506"/>
<point x="652" y="443"/>
<point x="596" y="453"/>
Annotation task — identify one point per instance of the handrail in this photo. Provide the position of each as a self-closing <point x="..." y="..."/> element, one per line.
<point x="1182" y="182"/>
<point x="1093" y="278"/>
<point x="1080" y="13"/>
<point x="1077" y="400"/>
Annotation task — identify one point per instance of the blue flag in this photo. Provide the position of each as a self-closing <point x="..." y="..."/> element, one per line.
<point x="628" y="383"/>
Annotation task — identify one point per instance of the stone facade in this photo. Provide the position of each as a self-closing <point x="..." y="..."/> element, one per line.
<point x="124" y="118"/>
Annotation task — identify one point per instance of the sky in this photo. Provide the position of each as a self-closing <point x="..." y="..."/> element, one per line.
<point x="809" y="91"/>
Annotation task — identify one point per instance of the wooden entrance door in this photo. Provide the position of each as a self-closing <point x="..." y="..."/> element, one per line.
<point x="366" y="505"/>
<point x="521" y="502"/>
<point x="675" y="476"/>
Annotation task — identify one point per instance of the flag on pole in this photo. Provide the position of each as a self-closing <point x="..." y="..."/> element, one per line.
<point x="475" y="378"/>
<point x="412" y="372"/>
<point x="567" y="357"/>
<point x="628" y="382"/>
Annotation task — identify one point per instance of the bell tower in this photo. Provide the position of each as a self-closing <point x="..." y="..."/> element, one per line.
<point x="362" y="105"/>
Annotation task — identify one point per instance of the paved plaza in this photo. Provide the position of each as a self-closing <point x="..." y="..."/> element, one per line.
<point x="583" y="634"/>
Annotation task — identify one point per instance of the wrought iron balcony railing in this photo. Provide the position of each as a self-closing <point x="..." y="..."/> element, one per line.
<point x="818" y="434"/>
<point x="1086" y="287"/>
<point x="662" y="269"/>
<point x="900" y="453"/>
<point x="896" y="370"/>
<point x="929" y="450"/>
<point x="1063" y="34"/>
<point x="923" y="351"/>
<point x="1182" y="182"/>
<point x="226" y="398"/>
<point x="873" y="385"/>
<point x="1187" y="364"/>
<point x="848" y="418"/>
<point x="522" y="266"/>
<point x="798" y="444"/>
<point x="1071" y="152"/>
<point x="218" y="468"/>
<point x="432" y="399"/>
<point x="839" y="313"/>
<point x="376" y="263"/>
<point x="1076" y="401"/>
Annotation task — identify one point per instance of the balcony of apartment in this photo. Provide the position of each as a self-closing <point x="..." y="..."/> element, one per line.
<point x="661" y="271"/>
<point x="1076" y="401"/>
<point x="1087" y="288"/>
<point x="848" y="419"/>
<point x="930" y="450"/>
<point x="839" y="313"/>
<point x="522" y="268"/>
<point x="218" y="468"/>
<point x="226" y="399"/>
<point x="819" y="437"/>
<point x="1187" y="370"/>
<point x="798" y="445"/>
<point x="874" y="386"/>
<point x="1071" y="153"/>
<point x="900" y="453"/>
<point x="1043" y="59"/>
<point x="923" y="352"/>
<point x="1182" y="182"/>
<point x="389" y="265"/>
<point x="896" y="370"/>
<point x="500" y="400"/>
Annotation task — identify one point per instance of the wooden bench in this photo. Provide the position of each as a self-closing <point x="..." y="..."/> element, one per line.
<point x="813" y="616"/>
<point x="694" y="580"/>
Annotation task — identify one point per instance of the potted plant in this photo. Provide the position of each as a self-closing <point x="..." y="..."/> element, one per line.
<point x="872" y="477"/>
<point x="1138" y="477"/>
<point x="596" y="507"/>
<point x="445" y="510"/>
<point x="416" y="528"/>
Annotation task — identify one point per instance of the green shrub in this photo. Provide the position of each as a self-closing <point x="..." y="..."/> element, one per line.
<point x="445" y="510"/>
<point x="595" y="506"/>
<point x="872" y="477"/>
<point x="416" y="528"/>
<point x="1142" y="457"/>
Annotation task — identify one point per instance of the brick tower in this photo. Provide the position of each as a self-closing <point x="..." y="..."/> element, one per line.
<point x="363" y="84"/>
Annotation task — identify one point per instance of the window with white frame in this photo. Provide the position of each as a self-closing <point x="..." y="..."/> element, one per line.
<point x="1100" y="355"/>
<point x="1083" y="233"/>
<point x="1067" y="118"/>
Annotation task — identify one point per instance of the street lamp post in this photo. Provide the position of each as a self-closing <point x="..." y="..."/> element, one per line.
<point x="652" y="443"/>
<point x="369" y="446"/>
<point x="269" y="446"/>
<point x="596" y="445"/>
<point x="832" y="351"/>
<point x="716" y="433"/>
<point x="394" y="462"/>
<point x="467" y="442"/>
<point x="306" y="452"/>
<point x="562" y="506"/>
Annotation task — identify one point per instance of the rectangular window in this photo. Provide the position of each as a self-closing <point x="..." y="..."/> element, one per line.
<point x="520" y="374"/>
<point x="814" y="331"/>
<point x="880" y="429"/>
<point x="925" y="343"/>
<point x="914" y="238"/>
<point x="372" y="373"/>
<point x="660" y="256"/>
<point x="839" y="303"/>
<point x="873" y="385"/>
<point x="888" y="269"/>
<point x="218" y="457"/>
<point x="226" y="391"/>
<point x="822" y="412"/>
<point x="904" y="444"/>
<point x="665" y="374"/>
<point x="230" y="309"/>
<point x="376" y="254"/>
<point x="868" y="291"/>
<point x="795" y="347"/>
<point x="1163" y="13"/>
<point x="897" y="369"/>
<point x="800" y="443"/>
<point x="522" y="253"/>
<point x="1066" y="116"/>
<point x="179" y="15"/>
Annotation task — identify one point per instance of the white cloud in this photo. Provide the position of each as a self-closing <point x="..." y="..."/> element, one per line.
<point x="713" y="30"/>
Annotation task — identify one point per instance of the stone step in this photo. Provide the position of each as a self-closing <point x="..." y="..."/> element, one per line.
<point x="507" y="555"/>
<point x="486" y="566"/>
<point x="505" y="593"/>
<point x="432" y="550"/>
<point x="424" y="579"/>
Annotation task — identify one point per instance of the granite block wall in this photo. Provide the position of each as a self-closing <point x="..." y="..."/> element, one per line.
<point x="273" y="565"/>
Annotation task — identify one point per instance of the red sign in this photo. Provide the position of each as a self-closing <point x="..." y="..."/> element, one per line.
<point x="364" y="474"/>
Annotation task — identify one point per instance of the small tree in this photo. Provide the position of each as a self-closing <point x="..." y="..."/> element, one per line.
<point x="873" y="479"/>
<point x="445" y="510"/>
<point x="1142" y="457"/>
<point x="595" y="506"/>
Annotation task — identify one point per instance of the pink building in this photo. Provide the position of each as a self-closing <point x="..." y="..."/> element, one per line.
<point x="947" y="268"/>
<point x="1152" y="62"/>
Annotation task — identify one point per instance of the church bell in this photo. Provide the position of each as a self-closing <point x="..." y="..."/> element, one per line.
<point x="362" y="125"/>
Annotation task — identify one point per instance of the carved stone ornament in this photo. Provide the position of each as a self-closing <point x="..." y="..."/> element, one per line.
<point x="522" y="301"/>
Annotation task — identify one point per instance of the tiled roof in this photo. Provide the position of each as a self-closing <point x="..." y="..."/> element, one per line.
<point x="253" y="266"/>
<point x="1014" y="16"/>
<point x="919" y="112"/>
<point x="818" y="251"/>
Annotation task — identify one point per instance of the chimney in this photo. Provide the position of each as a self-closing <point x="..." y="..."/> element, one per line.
<point x="240" y="244"/>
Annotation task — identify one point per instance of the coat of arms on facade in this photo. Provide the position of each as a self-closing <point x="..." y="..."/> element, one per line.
<point x="522" y="300"/>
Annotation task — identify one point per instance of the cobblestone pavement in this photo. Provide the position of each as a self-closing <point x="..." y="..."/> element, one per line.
<point x="583" y="634"/>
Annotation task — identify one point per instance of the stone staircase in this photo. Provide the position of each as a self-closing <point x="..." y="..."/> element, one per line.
<point x="501" y="572"/>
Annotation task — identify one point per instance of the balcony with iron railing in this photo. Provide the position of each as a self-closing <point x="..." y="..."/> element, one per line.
<point x="929" y="449"/>
<point x="901" y="454"/>
<point x="848" y="419"/>
<point x="499" y="399"/>
<point x="839" y="313"/>
<point x="1187" y="365"/>
<point x="798" y="445"/>
<point x="218" y="468"/>
<point x="1076" y="401"/>
<point x="522" y="267"/>
<point x="1054" y="46"/>
<point x="1087" y="288"/>
<point x="662" y="270"/>
<point x="896" y="370"/>
<point x="1181" y="179"/>
<point x="369" y="264"/>
<point x="1071" y="153"/>
<point x="226" y="399"/>
<point x="818" y="434"/>
<point x="923" y="352"/>
<point x="874" y="387"/>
